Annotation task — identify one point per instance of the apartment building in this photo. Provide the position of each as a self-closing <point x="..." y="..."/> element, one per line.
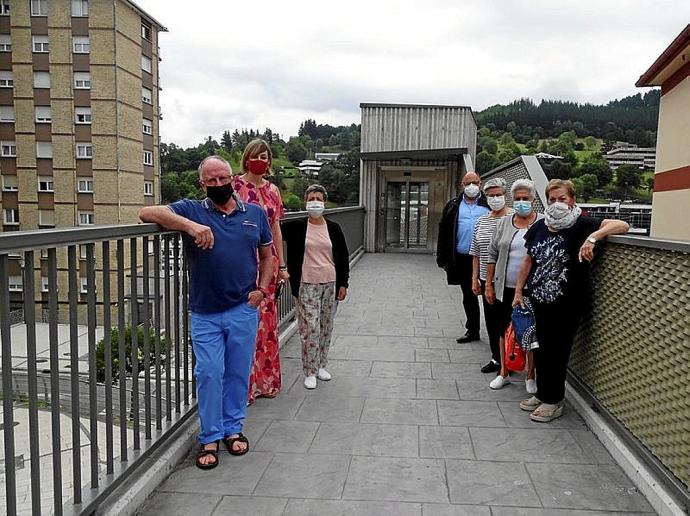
<point x="79" y="112"/>
<point x="642" y="157"/>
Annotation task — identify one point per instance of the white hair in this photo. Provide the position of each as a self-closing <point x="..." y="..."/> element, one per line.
<point x="523" y="184"/>
<point x="216" y="157"/>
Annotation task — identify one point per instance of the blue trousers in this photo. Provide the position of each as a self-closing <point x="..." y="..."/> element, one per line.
<point x="223" y="346"/>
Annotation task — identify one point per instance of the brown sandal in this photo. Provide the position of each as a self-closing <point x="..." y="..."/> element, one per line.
<point x="203" y="453"/>
<point x="229" y="441"/>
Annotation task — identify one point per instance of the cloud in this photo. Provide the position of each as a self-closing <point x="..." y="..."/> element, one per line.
<point x="234" y="65"/>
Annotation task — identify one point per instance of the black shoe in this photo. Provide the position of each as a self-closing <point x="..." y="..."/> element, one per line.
<point x="491" y="367"/>
<point x="467" y="337"/>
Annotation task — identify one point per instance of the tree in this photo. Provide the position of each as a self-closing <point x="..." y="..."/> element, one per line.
<point x="115" y="347"/>
<point x="649" y="183"/>
<point x="299" y="186"/>
<point x="226" y="141"/>
<point x="488" y="144"/>
<point x="170" y="188"/>
<point x="590" y="142"/>
<point x="586" y="186"/>
<point x="296" y="151"/>
<point x="598" y="166"/>
<point x="558" y="169"/>
<point x="292" y="202"/>
<point x="485" y="162"/>
<point x="628" y="176"/>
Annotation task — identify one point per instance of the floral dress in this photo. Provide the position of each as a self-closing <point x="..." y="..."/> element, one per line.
<point x="265" y="378"/>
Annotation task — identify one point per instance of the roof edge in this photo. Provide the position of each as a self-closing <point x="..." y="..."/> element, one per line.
<point x="668" y="55"/>
<point x="144" y="14"/>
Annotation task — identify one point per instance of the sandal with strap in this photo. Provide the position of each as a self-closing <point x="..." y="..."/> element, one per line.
<point x="229" y="441"/>
<point x="204" y="453"/>
<point x="547" y="412"/>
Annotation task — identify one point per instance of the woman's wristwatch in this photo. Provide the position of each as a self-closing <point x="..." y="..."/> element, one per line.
<point x="283" y="267"/>
<point x="591" y="240"/>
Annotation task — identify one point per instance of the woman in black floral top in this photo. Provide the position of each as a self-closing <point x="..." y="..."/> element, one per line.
<point x="555" y="277"/>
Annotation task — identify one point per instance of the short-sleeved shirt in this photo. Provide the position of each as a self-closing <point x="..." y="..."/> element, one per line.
<point x="468" y="213"/>
<point x="222" y="277"/>
<point x="557" y="275"/>
<point x="484" y="231"/>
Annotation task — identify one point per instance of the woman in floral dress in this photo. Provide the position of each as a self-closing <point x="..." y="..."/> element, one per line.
<point x="251" y="187"/>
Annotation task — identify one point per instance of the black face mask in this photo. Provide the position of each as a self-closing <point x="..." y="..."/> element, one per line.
<point x="219" y="194"/>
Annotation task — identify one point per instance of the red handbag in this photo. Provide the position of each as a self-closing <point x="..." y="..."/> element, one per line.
<point x="514" y="354"/>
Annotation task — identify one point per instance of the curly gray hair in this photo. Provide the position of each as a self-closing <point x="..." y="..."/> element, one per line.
<point x="495" y="182"/>
<point x="523" y="184"/>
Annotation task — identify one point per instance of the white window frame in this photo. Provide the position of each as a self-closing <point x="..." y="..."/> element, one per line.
<point x="144" y="30"/>
<point x="83" y="285"/>
<point x="82" y="115"/>
<point x="42" y="222"/>
<point x="84" y="151"/>
<point x="41" y="80"/>
<point x="146" y="95"/>
<point x="6" y="79"/>
<point x="148" y="158"/>
<point x="148" y="188"/>
<point x="146" y="64"/>
<point x="45" y="281"/>
<point x="85" y="186"/>
<point x="44" y="150"/>
<point x="15" y="283"/>
<point x="147" y="124"/>
<point x="6" y="187"/>
<point x="43" y="115"/>
<point x="8" y="149"/>
<point x="49" y="184"/>
<point x="40" y="44"/>
<point x="4" y="7"/>
<point x="10" y="216"/>
<point x="5" y="43"/>
<point x="82" y="251"/>
<point x="7" y="114"/>
<point x="85" y="218"/>
<point x="39" y="7"/>
<point x="81" y="45"/>
<point x="80" y="8"/>
<point x="82" y="81"/>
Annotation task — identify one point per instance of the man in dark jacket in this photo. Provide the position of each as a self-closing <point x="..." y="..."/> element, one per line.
<point x="453" y="249"/>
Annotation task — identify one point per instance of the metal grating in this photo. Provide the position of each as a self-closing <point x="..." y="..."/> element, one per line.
<point x="633" y="351"/>
<point x="512" y="171"/>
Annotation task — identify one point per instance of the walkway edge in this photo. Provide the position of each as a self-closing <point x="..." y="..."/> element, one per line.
<point x="131" y="495"/>
<point x="655" y="493"/>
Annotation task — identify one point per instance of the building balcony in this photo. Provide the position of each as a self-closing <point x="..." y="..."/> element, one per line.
<point x="406" y="425"/>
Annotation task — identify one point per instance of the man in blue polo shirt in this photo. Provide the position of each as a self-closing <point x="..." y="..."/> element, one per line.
<point x="222" y="236"/>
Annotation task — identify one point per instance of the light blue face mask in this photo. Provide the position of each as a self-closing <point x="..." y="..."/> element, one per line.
<point x="523" y="208"/>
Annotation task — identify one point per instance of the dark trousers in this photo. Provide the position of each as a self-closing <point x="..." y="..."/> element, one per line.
<point x="556" y="327"/>
<point x="463" y="265"/>
<point x="492" y="318"/>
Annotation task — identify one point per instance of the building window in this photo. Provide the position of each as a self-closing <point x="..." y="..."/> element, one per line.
<point x="4" y="7"/>
<point x="148" y="188"/>
<point x="86" y="218"/>
<point x="80" y="8"/>
<point x="8" y="149"/>
<point x="148" y="157"/>
<point x="82" y="252"/>
<point x="6" y="113"/>
<point x="147" y="95"/>
<point x="11" y="216"/>
<point x="146" y="64"/>
<point x="43" y="115"/>
<point x="44" y="279"/>
<point x="81" y="45"/>
<point x="85" y="186"/>
<point x="82" y="115"/>
<point x="41" y="80"/>
<point x="46" y="218"/>
<point x="5" y="43"/>
<point x="45" y="184"/>
<point x="44" y="150"/>
<point x="6" y="80"/>
<point x="147" y="127"/>
<point x="9" y="184"/>
<point x="146" y="32"/>
<point x="84" y="151"/>
<point x="15" y="283"/>
<point x="82" y="81"/>
<point x="40" y="44"/>
<point x="39" y="7"/>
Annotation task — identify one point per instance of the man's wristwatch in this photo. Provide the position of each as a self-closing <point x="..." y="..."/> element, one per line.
<point x="283" y="267"/>
<point x="263" y="291"/>
<point x="591" y="240"/>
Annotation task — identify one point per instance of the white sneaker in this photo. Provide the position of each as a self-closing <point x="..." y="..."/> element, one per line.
<point x="324" y="375"/>
<point x="499" y="382"/>
<point x="531" y="386"/>
<point x="310" y="382"/>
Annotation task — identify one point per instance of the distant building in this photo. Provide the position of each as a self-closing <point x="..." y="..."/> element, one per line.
<point x="641" y="157"/>
<point x="546" y="155"/>
<point x="671" y="199"/>
<point x="326" y="156"/>
<point x="310" y="167"/>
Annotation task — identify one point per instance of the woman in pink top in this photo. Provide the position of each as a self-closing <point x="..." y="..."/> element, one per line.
<point x="251" y="187"/>
<point x="318" y="262"/>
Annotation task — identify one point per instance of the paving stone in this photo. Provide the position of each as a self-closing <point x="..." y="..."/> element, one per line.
<point x="404" y="388"/>
<point x="469" y="413"/>
<point x="458" y="372"/>
<point x="517" y="418"/>
<point x="350" y="508"/>
<point x="437" y="509"/>
<point x="436" y="389"/>
<point x="330" y="408"/>
<point x="384" y="352"/>
<point x="405" y="480"/>
<point x="401" y="370"/>
<point x="366" y="439"/>
<point x="431" y="355"/>
<point x="165" y="504"/>
<point x="445" y="442"/>
<point x="243" y="505"/>
<point x="479" y="390"/>
<point x="401" y="412"/>
<point x="349" y="367"/>
<point x="287" y="436"/>
<point x="523" y="511"/>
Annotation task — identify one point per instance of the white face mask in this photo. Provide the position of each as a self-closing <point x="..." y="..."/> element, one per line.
<point x="560" y="215"/>
<point x="496" y="203"/>
<point x="471" y="191"/>
<point x="315" y="208"/>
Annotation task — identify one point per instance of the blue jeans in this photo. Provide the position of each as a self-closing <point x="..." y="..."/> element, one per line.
<point x="223" y="346"/>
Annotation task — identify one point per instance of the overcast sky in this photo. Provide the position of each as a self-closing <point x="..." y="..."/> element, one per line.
<point x="229" y="64"/>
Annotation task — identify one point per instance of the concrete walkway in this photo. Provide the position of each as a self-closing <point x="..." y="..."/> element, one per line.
<point x="407" y="426"/>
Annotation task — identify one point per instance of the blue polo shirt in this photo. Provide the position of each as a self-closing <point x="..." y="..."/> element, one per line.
<point x="468" y="213"/>
<point x="222" y="277"/>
